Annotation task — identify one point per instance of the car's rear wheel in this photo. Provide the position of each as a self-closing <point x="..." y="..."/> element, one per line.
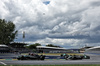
<point x="66" y="57"/>
<point x="42" y="57"/>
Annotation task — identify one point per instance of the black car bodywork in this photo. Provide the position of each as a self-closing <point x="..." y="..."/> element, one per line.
<point x="31" y="57"/>
<point x="75" y="57"/>
<point x="86" y="57"/>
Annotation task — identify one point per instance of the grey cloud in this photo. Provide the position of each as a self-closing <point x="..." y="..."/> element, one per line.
<point x="67" y="19"/>
<point x="97" y="3"/>
<point x="61" y="36"/>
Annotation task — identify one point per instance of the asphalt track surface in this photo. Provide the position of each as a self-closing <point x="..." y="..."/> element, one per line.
<point x="48" y="62"/>
<point x="93" y="60"/>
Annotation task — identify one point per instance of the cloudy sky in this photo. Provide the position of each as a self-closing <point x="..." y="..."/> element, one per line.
<point x="67" y="23"/>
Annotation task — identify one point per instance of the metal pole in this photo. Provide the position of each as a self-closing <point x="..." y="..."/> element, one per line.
<point x="23" y="36"/>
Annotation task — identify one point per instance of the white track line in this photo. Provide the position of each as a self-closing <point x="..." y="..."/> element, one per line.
<point x="3" y="63"/>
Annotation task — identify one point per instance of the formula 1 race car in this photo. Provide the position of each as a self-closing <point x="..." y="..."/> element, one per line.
<point x="31" y="57"/>
<point x="75" y="57"/>
<point x="86" y="57"/>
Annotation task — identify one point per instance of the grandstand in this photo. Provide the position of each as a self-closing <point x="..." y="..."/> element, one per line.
<point x="4" y="48"/>
<point x="44" y="49"/>
<point x="94" y="50"/>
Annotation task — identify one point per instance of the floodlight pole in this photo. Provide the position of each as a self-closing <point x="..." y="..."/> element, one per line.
<point x="23" y="36"/>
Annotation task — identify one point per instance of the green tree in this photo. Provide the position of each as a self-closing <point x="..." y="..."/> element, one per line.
<point x="51" y="45"/>
<point x="33" y="46"/>
<point x="7" y="31"/>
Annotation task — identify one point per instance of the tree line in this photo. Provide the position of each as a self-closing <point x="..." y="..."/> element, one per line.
<point x="7" y="31"/>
